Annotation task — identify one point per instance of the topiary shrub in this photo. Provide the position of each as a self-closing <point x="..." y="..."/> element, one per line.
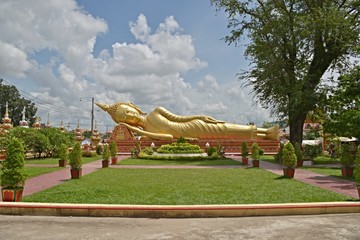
<point x="289" y="156"/>
<point x="346" y="157"/>
<point x="75" y="155"/>
<point x="63" y="152"/>
<point x="106" y="152"/>
<point x="255" y="151"/>
<point x="244" y="149"/>
<point x="13" y="173"/>
<point x="113" y="149"/>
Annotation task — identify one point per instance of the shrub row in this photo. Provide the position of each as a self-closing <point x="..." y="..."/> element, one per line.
<point x="179" y="148"/>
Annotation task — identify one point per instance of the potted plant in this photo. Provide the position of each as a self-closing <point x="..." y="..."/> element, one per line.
<point x="346" y="160"/>
<point x="113" y="153"/>
<point x="63" y="155"/>
<point x="357" y="169"/>
<point x="255" y="154"/>
<point x="278" y="155"/>
<point x="289" y="160"/>
<point x="244" y="153"/>
<point x="299" y="155"/>
<point x="13" y="174"/>
<point x="106" y="156"/>
<point x="75" y="161"/>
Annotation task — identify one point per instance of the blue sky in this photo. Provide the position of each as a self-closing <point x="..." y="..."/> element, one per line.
<point x="197" y="18"/>
<point x="153" y="53"/>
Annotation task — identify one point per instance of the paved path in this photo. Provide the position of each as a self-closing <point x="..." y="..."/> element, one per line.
<point x="48" y="180"/>
<point x="311" y="227"/>
<point x="338" y="185"/>
<point x="334" y="184"/>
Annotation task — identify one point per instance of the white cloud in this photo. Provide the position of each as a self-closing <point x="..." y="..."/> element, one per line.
<point x="140" y="28"/>
<point x="51" y="43"/>
<point x="151" y="70"/>
<point x="13" y="61"/>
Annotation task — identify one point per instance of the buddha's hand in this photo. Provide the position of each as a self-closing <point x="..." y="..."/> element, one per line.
<point x="159" y="136"/>
<point x="208" y="119"/>
<point x="191" y="139"/>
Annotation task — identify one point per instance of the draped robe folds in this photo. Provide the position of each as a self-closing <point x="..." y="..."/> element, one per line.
<point x="162" y="121"/>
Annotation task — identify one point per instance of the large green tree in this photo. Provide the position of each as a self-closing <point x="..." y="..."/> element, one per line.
<point x="291" y="44"/>
<point x="343" y="111"/>
<point x="16" y="103"/>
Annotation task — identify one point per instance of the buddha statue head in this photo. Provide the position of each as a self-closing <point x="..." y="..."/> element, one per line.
<point x="123" y="112"/>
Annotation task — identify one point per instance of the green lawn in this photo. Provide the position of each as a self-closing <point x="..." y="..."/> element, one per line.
<point x="36" y="171"/>
<point x="183" y="186"/>
<point x="326" y="160"/>
<point x="334" y="172"/>
<point x="132" y="161"/>
<point x="55" y="161"/>
<point x="268" y="158"/>
<point x="317" y="160"/>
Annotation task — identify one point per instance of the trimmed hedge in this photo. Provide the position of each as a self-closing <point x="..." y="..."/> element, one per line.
<point x="179" y="148"/>
<point x="143" y="155"/>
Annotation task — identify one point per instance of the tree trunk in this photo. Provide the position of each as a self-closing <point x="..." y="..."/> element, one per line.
<point x="296" y="130"/>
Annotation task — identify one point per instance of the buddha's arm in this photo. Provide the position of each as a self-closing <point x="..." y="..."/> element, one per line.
<point x="176" y="118"/>
<point x="159" y="136"/>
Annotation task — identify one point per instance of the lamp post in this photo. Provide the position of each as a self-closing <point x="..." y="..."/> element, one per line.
<point x="92" y="113"/>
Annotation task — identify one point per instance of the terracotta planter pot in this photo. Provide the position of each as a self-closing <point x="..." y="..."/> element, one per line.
<point x="347" y="171"/>
<point x="2" y="154"/>
<point x="114" y="160"/>
<point x="300" y="163"/>
<point x="12" y="194"/>
<point x="255" y="163"/>
<point x="105" y="163"/>
<point x="76" y="173"/>
<point x="289" y="172"/>
<point x="245" y="161"/>
<point x="62" y="163"/>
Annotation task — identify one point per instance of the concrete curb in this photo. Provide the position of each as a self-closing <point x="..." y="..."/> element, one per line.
<point x="179" y="211"/>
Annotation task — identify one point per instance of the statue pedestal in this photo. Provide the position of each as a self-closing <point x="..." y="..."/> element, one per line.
<point x="125" y="140"/>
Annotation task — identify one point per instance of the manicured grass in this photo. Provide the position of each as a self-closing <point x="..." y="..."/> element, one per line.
<point x="268" y="158"/>
<point x="42" y="161"/>
<point x="55" y="161"/>
<point x="36" y="171"/>
<point x="218" y="162"/>
<point x="326" y="160"/>
<point x="334" y="172"/>
<point x="317" y="160"/>
<point x="183" y="186"/>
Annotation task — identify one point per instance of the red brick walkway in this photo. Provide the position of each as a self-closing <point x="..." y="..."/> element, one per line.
<point x="48" y="180"/>
<point x="334" y="184"/>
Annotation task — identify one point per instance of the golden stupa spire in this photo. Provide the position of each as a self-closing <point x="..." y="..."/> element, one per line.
<point x="6" y="120"/>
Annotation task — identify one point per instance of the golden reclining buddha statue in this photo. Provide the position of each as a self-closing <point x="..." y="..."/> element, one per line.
<point x="161" y="124"/>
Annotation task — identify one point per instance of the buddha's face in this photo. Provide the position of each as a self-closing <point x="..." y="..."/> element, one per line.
<point x="127" y="114"/>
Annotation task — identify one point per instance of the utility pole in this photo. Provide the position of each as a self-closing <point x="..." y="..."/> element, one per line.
<point x="92" y="115"/>
<point x="92" y="112"/>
